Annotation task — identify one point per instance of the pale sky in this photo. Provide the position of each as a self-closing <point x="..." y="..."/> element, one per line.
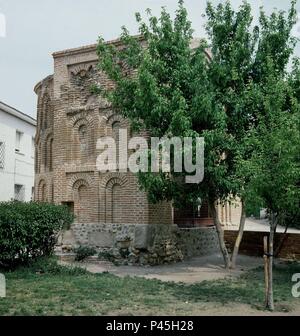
<point x="37" y="28"/>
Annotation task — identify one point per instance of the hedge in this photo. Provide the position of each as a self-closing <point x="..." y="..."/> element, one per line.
<point x="29" y="230"/>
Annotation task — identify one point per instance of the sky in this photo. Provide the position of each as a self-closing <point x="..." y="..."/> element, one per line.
<point x="31" y="30"/>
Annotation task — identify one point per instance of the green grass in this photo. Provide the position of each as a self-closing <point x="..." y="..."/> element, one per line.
<point x="46" y="288"/>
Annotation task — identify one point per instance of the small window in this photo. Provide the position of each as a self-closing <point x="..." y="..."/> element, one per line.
<point x="2" y="154"/>
<point x="19" y="136"/>
<point x="83" y="137"/>
<point x="19" y="193"/>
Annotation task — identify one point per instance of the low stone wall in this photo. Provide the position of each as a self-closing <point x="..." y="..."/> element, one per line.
<point x="252" y="243"/>
<point x="196" y="242"/>
<point x="141" y="244"/>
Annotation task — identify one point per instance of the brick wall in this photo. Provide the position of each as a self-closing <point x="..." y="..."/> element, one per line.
<point x="252" y="243"/>
<point x="77" y="119"/>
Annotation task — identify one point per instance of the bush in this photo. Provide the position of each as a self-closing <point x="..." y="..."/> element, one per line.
<point x="106" y="256"/>
<point x="29" y="230"/>
<point x="84" y="252"/>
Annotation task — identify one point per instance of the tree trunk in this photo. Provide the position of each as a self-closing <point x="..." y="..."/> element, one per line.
<point x="220" y="233"/>
<point x="266" y="268"/>
<point x="270" y="298"/>
<point x="239" y="236"/>
<point x="284" y="236"/>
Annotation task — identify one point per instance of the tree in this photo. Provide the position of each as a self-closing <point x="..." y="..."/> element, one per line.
<point x="162" y="85"/>
<point x="238" y="72"/>
<point x="274" y="137"/>
<point x="233" y="46"/>
<point x="276" y="157"/>
<point x="166" y="87"/>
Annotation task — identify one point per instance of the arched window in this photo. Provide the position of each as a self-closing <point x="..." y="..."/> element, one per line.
<point x="46" y="117"/>
<point x="115" y="127"/>
<point x="117" y="208"/>
<point x="82" y="201"/>
<point x="51" y="155"/>
<point x="48" y="154"/>
<point x="116" y="135"/>
<point x="117" y="202"/>
<point x="42" y="192"/>
<point x="83" y="137"/>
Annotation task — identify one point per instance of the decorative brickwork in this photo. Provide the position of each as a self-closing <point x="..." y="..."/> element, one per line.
<point x="70" y="121"/>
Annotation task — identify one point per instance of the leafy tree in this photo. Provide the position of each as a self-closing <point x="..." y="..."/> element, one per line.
<point x="164" y="86"/>
<point x="239" y="69"/>
<point x="276" y="158"/>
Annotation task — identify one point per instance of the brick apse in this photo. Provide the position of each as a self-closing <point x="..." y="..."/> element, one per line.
<point x="109" y="207"/>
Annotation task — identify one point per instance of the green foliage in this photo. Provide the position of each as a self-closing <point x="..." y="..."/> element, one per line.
<point x="83" y="252"/>
<point x="106" y="256"/>
<point x="162" y="85"/>
<point x="29" y="230"/>
<point x="242" y="100"/>
<point x="243" y="61"/>
<point x="277" y="147"/>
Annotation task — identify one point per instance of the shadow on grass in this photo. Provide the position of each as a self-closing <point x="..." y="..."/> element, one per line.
<point x="248" y="288"/>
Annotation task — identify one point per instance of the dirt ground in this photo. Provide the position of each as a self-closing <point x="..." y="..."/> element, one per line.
<point x="189" y="271"/>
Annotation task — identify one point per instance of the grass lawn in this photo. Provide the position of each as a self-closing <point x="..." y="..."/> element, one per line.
<point x="46" y="288"/>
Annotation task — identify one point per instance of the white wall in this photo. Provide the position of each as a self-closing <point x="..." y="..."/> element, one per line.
<point x="18" y="167"/>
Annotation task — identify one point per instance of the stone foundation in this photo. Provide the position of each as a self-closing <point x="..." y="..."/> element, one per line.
<point x="141" y="244"/>
<point x="196" y="242"/>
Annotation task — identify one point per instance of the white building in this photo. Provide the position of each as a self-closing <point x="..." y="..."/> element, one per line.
<point x="17" y="132"/>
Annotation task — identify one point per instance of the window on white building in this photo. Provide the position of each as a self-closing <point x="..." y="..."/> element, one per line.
<point x="2" y="154"/>
<point x="19" y="136"/>
<point x="19" y="193"/>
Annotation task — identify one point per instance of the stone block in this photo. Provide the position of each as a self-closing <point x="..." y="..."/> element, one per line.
<point x="68" y="238"/>
<point x="143" y="237"/>
<point x="101" y="239"/>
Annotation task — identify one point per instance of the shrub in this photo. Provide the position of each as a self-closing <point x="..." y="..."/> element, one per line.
<point x="106" y="256"/>
<point x="84" y="252"/>
<point x="29" y="230"/>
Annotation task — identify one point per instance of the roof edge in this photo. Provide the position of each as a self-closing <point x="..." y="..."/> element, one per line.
<point x="16" y="113"/>
<point x="88" y="48"/>
<point x="40" y="83"/>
